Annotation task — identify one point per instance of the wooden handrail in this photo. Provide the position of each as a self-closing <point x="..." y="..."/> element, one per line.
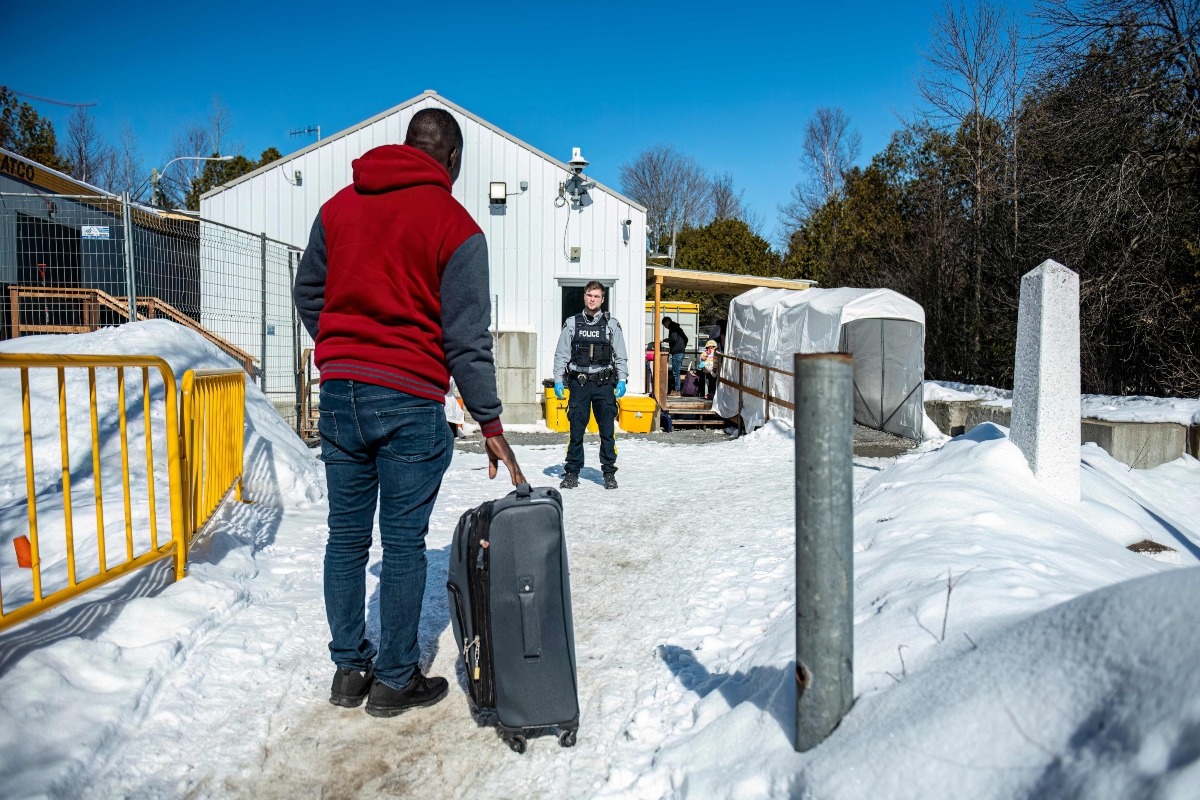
<point x="94" y="299"/>
<point x="155" y="304"/>
<point x="744" y="389"/>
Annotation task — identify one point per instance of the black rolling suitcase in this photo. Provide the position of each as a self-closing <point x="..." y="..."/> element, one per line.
<point x="510" y="605"/>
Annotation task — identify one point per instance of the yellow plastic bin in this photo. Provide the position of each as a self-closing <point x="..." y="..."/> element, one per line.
<point x="635" y="413"/>
<point x="556" y="413"/>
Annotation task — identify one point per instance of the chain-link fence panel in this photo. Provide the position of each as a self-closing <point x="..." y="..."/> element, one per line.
<point x="52" y="248"/>
<point x="67" y="266"/>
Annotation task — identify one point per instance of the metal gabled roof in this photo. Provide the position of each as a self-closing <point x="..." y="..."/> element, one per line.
<point x="427" y="94"/>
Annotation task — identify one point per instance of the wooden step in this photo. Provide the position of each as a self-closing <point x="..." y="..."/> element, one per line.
<point x="698" y="408"/>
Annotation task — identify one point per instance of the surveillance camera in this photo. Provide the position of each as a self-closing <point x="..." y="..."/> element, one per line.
<point x="577" y="162"/>
<point x="626" y="222"/>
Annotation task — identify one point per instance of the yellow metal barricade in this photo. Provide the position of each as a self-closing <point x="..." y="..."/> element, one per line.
<point x="203" y="460"/>
<point x="214" y="413"/>
<point x="108" y="565"/>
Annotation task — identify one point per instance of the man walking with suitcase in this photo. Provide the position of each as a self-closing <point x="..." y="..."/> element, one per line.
<point x="592" y="362"/>
<point x="393" y="288"/>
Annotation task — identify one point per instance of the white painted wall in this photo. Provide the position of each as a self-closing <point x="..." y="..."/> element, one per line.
<point x="528" y="238"/>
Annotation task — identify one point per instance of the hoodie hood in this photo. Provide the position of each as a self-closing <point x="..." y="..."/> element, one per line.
<point x="397" y="166"/>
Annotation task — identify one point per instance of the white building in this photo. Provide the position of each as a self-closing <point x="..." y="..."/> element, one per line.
<point x="544" y="244"/>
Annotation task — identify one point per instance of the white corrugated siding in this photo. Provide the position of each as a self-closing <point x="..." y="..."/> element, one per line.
<point x="528" y="255"/>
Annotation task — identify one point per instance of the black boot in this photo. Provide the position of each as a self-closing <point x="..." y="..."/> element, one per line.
<point x="350" y="687"/>
<point x="384" y="701"/>
<point x="570" y="480"/>
<point x="610" y="480"/>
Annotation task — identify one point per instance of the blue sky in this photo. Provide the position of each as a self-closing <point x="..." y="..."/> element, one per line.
<point x="731" y="84"/>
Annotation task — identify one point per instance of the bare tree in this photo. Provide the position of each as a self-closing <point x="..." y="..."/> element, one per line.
<point x="89" y="155"/>
<point x="1119" y="112"/>
<point x="125" y="172"/>
<point x="220" y="120"/>
<point x="193" y="142"/>
<point x="969" y="63"/>
<point x="1168" y="32"/>
<point x="673" y="188"/>
<point x="726" y="203"/>
<point x="829" y="149"/>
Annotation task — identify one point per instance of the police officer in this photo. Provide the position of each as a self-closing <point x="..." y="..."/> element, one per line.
<point x="591" y="361"/>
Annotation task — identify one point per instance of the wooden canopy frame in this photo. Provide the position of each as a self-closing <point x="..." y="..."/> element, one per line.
<point x="697" y="280"/>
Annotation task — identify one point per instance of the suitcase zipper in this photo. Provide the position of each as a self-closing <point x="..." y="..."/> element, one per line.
<point x="481" y="672"/>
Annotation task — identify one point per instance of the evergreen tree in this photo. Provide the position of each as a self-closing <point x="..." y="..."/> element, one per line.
<point x="216" y="173"/>
<point x="724" y="245"/>
<point x="26" y="133"/>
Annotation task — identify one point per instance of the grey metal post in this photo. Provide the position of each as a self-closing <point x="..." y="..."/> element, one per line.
<point x="263" y="371"/>
<point x="130" y="281"/>
<point x="824" y="419"/>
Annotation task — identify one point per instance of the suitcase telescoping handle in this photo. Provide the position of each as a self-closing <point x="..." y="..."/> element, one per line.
<point x="524" y="490"/>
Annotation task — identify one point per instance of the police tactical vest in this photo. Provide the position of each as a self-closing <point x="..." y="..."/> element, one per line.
<point x="591" y="346"/>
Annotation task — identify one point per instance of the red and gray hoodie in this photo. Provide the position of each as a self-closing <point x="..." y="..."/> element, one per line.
<point x="393" y="286"/>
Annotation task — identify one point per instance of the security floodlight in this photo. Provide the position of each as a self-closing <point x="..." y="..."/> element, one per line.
<point x="498" y="193"/>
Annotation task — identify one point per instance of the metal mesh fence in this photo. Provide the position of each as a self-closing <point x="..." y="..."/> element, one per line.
<point x="72" y="264"/>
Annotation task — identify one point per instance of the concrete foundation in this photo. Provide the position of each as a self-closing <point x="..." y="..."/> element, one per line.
<point x="1141" y="445"/>
<point x="1001" y="415"/>
<point x="949" y="416"/>
<point x="516" y="378"/>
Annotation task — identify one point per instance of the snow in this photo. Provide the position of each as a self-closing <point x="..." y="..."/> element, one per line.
<point x="1132" y="408"/>
<point x="1006" y="644"/>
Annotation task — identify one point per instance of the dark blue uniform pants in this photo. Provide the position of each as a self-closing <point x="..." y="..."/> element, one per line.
<point x="588" y="398"/>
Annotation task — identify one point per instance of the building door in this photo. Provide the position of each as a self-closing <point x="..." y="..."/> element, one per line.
<point x="889" y="371"/>
<point x="572" y="300"/>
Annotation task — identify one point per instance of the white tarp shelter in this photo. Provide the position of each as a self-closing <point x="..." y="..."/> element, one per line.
<point x="883" y="329"/>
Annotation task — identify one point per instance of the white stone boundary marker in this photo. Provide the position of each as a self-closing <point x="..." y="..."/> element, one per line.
<point x="1045" y="410"/>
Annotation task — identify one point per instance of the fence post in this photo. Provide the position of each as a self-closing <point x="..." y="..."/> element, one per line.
<point x="263" y="315"/>
<point x="823" y="389"/>
<point x="767" y="387"/>
<point x="741" y="398"/>
<point x="130" y="278"/>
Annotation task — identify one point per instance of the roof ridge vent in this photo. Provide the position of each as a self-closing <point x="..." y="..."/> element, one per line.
<point x="431" y="91"/>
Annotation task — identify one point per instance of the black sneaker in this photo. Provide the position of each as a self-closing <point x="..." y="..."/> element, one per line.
<point x="350" y="687"/>
<point x="570" y="480"/>
<point x="384" y="701"/>
<point x="610" y="481"/>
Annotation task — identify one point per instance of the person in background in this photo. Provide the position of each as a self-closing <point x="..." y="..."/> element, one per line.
<point x="677" y="342"/>
<point x="591" y="361"/>
<point x="393" y="288"/>
<point x="708" y="369"/>
<point x="455" y="417"/>
<point x="650" y="365"/>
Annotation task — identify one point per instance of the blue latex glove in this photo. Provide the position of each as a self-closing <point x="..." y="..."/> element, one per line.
<point x="558" y="390"/>
<point x="620" y="389"/>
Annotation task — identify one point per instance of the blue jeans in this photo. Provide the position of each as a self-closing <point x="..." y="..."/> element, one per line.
<point x="676" y="367"/>
<point x="382" y="445"/>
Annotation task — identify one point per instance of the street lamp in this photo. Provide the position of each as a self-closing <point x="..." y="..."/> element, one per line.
<point x="156" y="174"/>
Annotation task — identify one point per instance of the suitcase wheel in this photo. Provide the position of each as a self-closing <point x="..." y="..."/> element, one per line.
<point x="516" y="741"/>
<point x="566" y="739"/>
